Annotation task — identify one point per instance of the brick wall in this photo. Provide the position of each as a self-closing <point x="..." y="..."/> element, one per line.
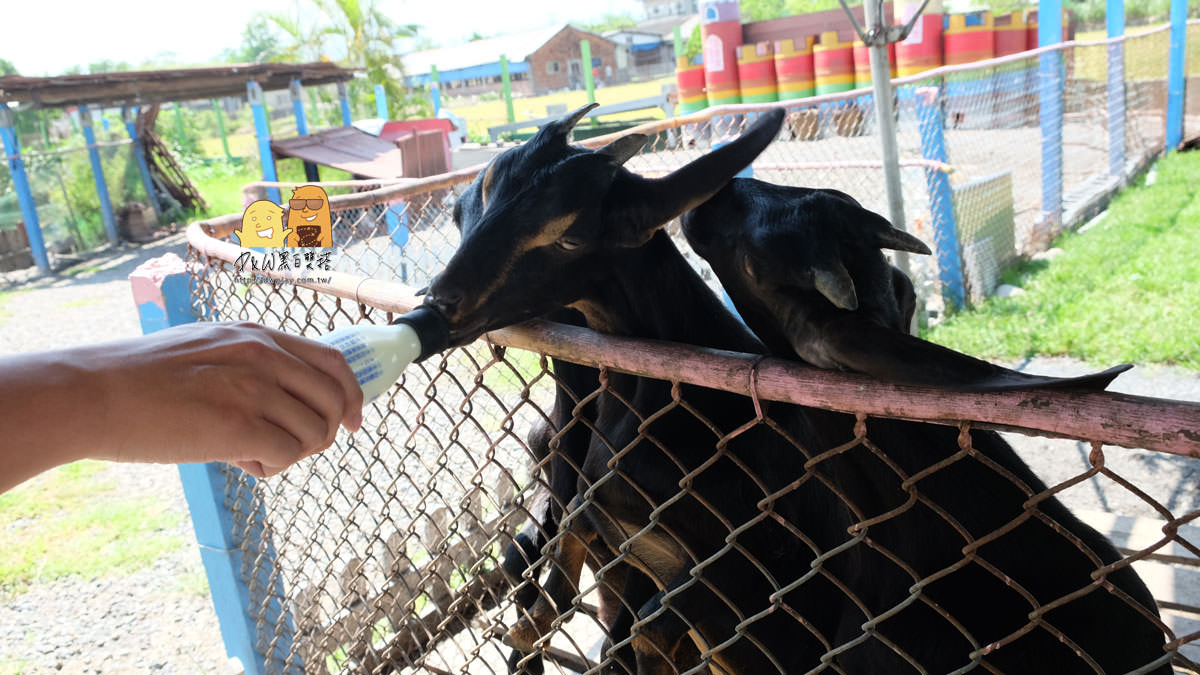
<point x="563" y="49"/>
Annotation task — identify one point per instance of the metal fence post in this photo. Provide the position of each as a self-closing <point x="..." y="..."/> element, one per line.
<point x="435" y="90"/>
<point x="106" y="209"/>
<point x="162" y="292"/>
<point x="506" y="86"/>
<point x="941" y="198"/>
<point x="1115" y="18"/>
<point x="254" y="96"/>
<point x="344" y="97"/>
<point x="1050" y="112"/>
<point x="296" y="91"/>
<point x="216" y="106"/>
<point x="381" y="110"/>
<point x="129" y="116"/>
<point x="16" y="167"/>
<point x="1175" y="75"/>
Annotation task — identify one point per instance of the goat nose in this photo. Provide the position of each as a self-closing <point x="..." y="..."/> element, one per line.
<point x="446" y="301"/>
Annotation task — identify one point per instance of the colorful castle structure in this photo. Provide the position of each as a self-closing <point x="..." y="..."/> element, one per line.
<point x="739" y="65"/>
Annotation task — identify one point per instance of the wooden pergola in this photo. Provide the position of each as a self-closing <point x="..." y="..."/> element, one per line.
<point x="138" y="89"/>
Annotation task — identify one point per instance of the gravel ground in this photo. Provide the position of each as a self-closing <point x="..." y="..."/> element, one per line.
<point x="159" y="619"/>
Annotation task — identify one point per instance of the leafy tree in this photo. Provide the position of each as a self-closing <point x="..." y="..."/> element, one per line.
<point x="610" y="22"/>
<point x="7" y="68"/>
<point x="476" y="36"/>
<point x="260" y="43"/>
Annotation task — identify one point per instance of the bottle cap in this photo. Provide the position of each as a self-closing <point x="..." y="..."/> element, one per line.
<point x="431" y="330"/>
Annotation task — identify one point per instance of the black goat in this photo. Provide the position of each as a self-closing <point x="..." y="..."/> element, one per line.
<point x="691" y="512"/>
<point x="803" y="267"/>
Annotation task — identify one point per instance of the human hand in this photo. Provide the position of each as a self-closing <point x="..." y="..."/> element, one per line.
<point x="240" y="393"/>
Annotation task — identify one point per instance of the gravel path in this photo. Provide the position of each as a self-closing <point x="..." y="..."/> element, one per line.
<point x="160" y="619"/>
<point x="157" y="619"/>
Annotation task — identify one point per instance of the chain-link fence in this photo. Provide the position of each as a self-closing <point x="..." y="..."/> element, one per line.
<point x="756" y="516"/>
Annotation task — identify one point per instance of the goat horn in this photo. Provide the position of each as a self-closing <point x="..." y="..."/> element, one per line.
<point x="899" y="240"/>
<point x="566" y="124"/>
<point x="625" y="147"/>
<point x="835" y="284"/>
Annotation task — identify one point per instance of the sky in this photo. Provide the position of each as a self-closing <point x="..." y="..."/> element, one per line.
<point x="198" y="30"/>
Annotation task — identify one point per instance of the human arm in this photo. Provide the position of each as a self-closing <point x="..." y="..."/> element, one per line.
<point x="240" y="393"/>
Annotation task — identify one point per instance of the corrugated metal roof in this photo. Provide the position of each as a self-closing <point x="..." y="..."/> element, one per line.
<point x="516" y="46"/>
<point x="345" y="148"/>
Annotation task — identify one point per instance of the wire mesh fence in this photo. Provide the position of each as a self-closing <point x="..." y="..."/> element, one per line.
<point x="755" y="516"/>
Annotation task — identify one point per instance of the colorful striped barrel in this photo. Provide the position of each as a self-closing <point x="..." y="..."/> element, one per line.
<point x="862" y="63"/>
<point x="922" y="49"/>
<point x="794" y="68"/>
<point x="756" y="73"/>
<point x="833" y="63"/>
<point x="1011" y="34"/>
<point x="968" y="37"/>
<point x="721" y="40"/>
<point x="690" y="79"/>
<point x="1031" y="28"/>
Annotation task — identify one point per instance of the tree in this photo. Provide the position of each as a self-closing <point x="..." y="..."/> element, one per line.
<point x="7" y="68"/>
<point x="761" y="10"/>
<point x="260" y="42"/>
<point x="358" y="34"/>
<point x="610" y="22"/>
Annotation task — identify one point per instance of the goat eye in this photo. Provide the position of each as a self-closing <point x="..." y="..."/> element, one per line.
<point x="748" y="265"/>
<point x="568" y="244"/>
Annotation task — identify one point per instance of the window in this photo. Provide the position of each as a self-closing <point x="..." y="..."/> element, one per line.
<point x="553" y="67"/>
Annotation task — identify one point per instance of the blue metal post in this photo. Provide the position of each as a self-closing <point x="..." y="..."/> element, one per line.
<point x="344" y="97"/>
<point x="106" y="209"/>
<point x="254" y="95"/>
<point x="436" y="90"/>
<point x="1050" y="97"/>
<point x="1115" y="18"/>
<point x="941" y="198"/>
<point x="380" y="102"/>
<point x="129" y="116"/>
<point x="1175" y="80"/>
<point x="163" y="301"/>
<point x="297" y="93"/>
<point x="16" y="167"/>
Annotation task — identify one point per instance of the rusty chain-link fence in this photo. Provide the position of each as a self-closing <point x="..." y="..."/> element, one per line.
<point x="905" y="534"/>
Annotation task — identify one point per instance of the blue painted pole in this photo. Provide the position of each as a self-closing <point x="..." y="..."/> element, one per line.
<point x="1050" y="98"/>
<point x="106" y="209"/>
<point x="1115" y="19"/>
<point x="380" y="102"/>
<point x="129" y="116"/>
<point x="436" y="90"/>
<point x="1175" y="81"/>
<point x="297" y="93"/>
<point x="254" y="95"/>
<point x="344" y="97"/>
<point x="162" y="292"/>
<point x="941" y="198"/>
<point x="16" y="167"/>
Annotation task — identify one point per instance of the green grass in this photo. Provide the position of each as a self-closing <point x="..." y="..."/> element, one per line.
<point x="82" y="271"/>
<point x="80" y="302"/>
<point x="5" y="296"/>
<point x="221" y="182"/>
<point x="1125" y="290"/>
<point x="74" y="522"/>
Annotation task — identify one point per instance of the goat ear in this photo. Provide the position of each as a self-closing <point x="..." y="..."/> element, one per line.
<point x="858" y="344"/>
<point x="836" y="285"/>
<point x="643" y="205"/>
<point x="625" y="147"/>
<point x="906" y="297"/>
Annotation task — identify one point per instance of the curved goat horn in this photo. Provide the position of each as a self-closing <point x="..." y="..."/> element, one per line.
<point x="564" y="125"/>
<point x="899" y="240"/>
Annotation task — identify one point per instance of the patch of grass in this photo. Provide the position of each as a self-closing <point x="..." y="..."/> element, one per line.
<point x="220" y="182"/>
<point x="193" y="583"/>
<point x="82" y="270"/>
<point x="80" y="302"/>
<point x="5" y="296"/>
<point x="74" y="522"/>
<point x="1126" y="290"/>
<point x="489" y="113"/>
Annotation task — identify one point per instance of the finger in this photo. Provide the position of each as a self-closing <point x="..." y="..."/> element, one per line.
<point x="309" y="426"/>
<point x="263" y="447"/>
<point x="331" y="362"/>
<point x="318" y="389"/>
